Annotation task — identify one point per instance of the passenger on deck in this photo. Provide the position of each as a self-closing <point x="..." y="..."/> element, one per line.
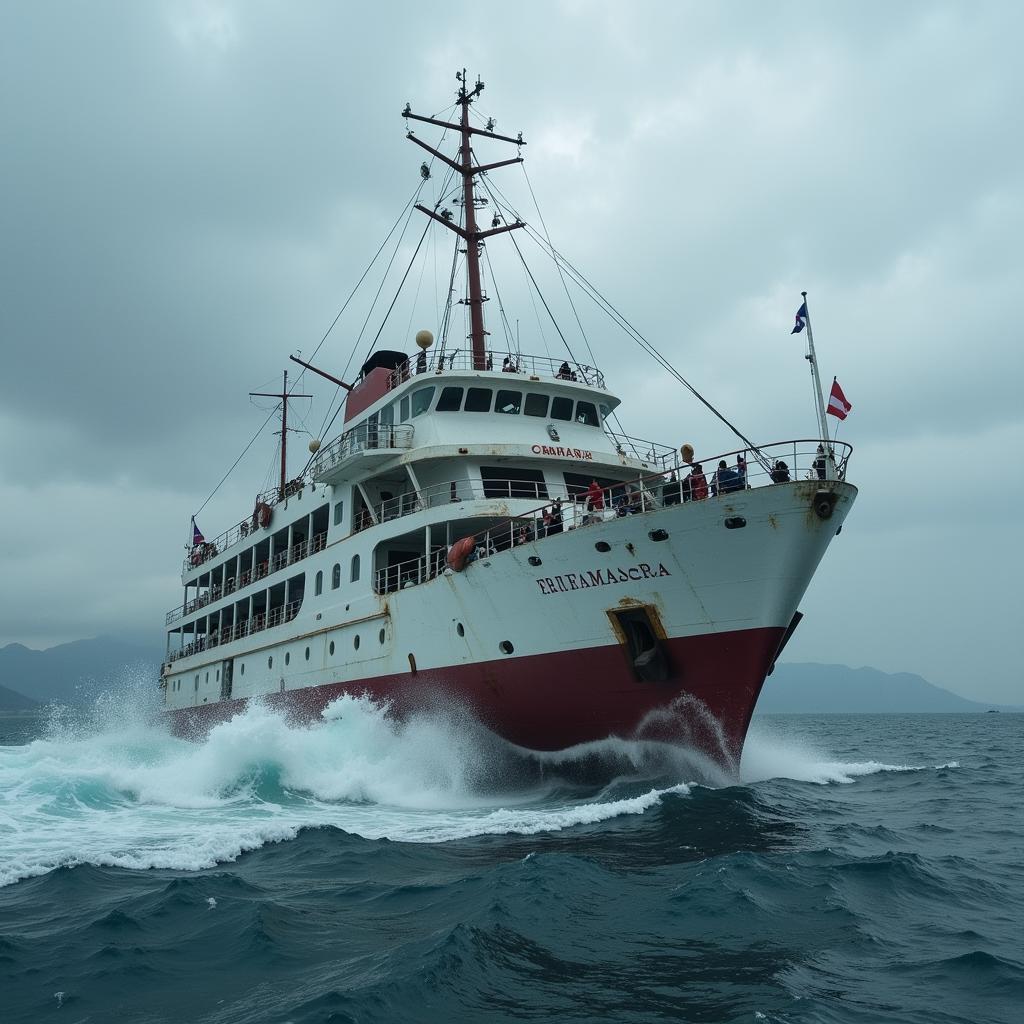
<point x="595" y="497"/>
<point x="741" y="471"/>
<point x="553" y="518"/>
<point x="564" y="372"/>
<point x="819" y="463"/>
<point x="671" y="490"/>
<point x="780" y="473"/>
<point x="698" y="483"/>
<point x="724" y="480"/>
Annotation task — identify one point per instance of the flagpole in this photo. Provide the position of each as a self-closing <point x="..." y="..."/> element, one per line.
<point x="812" y="359"/>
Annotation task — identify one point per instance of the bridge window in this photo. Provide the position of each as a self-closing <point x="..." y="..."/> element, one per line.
<point x="421" y="400"/>
<point x="336" y="576"/>
<point x="512" y="482"/>
<point x="339" y="510"/>
<point x="478" y="400"/>
<point x="355" y="568"/>
<point x="586" y="413"/>
<point x="536" y="405"/>
<point x="605" y="411"/>
<point x="509" y="402"/>
<point x="387" y="415"/>
<point x="450" y="400"/>
<point x="403" y="409"/>
<point x="561" y="409"/>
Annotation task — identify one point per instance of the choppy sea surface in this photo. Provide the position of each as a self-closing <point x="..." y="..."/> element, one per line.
<point x="860" y="869"/>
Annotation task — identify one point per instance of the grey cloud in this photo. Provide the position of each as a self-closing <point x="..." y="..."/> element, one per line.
<point x="191" y="190"/>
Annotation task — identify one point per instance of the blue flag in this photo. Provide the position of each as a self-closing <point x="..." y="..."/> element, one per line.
<point x="801" y="319"/>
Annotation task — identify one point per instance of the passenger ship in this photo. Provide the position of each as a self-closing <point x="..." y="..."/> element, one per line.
<point x="481" y="535"/>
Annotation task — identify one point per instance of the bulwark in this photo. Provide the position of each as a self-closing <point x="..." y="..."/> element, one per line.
<point x="599" y="578"/>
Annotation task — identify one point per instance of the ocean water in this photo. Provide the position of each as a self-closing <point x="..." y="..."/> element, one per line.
<point x="860" y="869"/>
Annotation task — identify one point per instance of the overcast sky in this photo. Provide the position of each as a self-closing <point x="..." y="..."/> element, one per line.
<point x="191" y="190"/>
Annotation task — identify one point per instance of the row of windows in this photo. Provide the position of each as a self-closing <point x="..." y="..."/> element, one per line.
<point x="176" y="684"/>
<point x="381" y="637"/>
<point x="508" y="401"/>
<point x="353" y="575"/>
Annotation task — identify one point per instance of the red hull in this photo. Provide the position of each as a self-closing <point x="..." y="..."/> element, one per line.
<point x="557" y="700"/>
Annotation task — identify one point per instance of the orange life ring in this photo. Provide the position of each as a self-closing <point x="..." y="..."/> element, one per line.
<point x="263" y="514"/>
<point x="459" y="552"/>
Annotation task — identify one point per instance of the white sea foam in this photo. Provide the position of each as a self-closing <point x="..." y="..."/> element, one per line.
<point x="767" y="756"/>
<point x="121" y="791"/>
<point x="134" y="796"/>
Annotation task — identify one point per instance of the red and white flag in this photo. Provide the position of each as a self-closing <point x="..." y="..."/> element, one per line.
<point x="837" y="404"/>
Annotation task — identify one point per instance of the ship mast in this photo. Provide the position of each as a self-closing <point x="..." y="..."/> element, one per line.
<point x="470" y="234"/>
<point x="284" y="396"/>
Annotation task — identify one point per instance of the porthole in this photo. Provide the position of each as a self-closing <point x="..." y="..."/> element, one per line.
<point x="355" y="641"/>
<point x="735" y="523"/>
<point x="380" y="636"/>
<point x="218" y="675"/>
<point x="506" y="647"/>
<point x="287" y="657"/>
<point x="241" y="669"/>
<point x="658" y="535"/>
<point x="307" y="654"/>
<point x="460" y="629"/>
<point x="603" y="545"/>
<point x="330" y="649"/>
<point x="207" y="679"/>
<point x="534" y="560"/>
<point x="270" y="662"/>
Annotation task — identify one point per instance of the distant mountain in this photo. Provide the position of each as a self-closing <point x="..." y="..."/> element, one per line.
<point x="11" y="701"/>
<point x="72" y="673"/>
<point x="839" y="689"/>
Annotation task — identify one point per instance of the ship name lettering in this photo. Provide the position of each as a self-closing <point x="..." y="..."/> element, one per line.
<point x="580" y="454"/>
<point x="584" y="580"/>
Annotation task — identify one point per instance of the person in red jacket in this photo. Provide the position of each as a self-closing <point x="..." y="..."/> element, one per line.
<point x="595" y="497"/>
<point x="698" y="483"/>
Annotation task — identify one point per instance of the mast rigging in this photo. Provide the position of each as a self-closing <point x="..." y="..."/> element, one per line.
<point x="470" y="234"/>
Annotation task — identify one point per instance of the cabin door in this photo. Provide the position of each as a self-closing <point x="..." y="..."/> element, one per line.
<point x="226" y="670"/>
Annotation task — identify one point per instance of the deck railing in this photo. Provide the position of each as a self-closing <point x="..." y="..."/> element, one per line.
<point x="200" y="554"/>
<point x="263" y="569"/>
<point x="255" y="624"/>
<point x="780" y="462"/>
<point x="524" y="365"/>
<point x="453" y="492"/>
<point x="360" y="439"/>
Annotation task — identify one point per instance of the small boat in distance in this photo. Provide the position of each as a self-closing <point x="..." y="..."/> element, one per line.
<point x="481" y="531"/>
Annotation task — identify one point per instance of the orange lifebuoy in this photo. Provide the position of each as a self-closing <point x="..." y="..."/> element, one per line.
<point x="459" y="552"/>
<point x="263" y="514"/>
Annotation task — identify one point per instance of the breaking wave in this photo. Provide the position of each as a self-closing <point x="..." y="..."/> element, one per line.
<point x="104" y="790"/>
